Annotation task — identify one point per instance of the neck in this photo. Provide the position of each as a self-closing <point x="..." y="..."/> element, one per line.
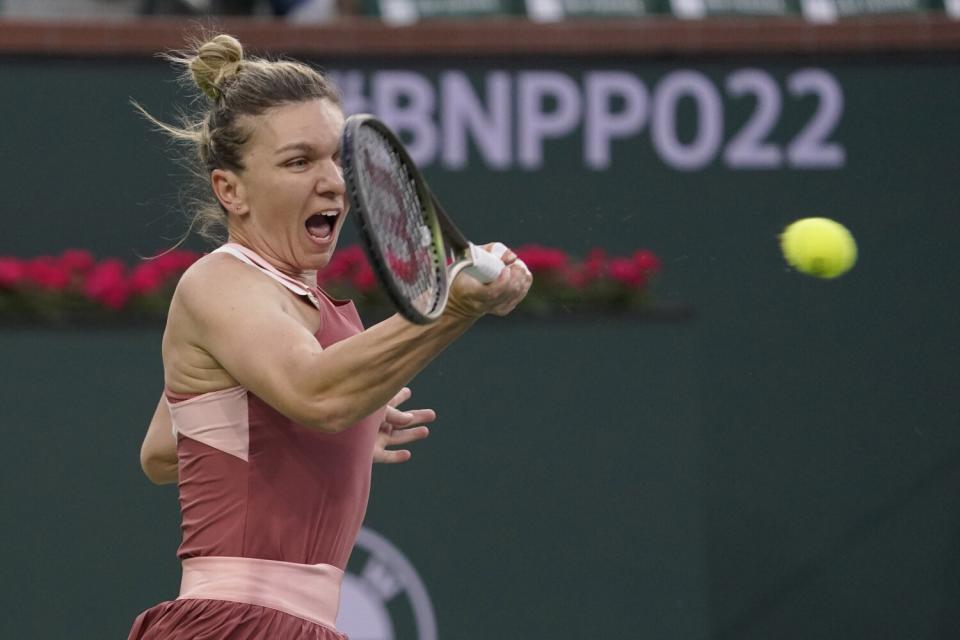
<point x="309" y="278"/>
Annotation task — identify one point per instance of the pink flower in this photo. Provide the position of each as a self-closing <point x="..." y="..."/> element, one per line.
<point x="111" y="285"/>
<point x="77" y="260"/>
<point x="47" y="273"/>
<point x="344" y="264"/>
<point x="364" y="278"/>
<point x="595" y="263"/>
<point x="174" y="262"/>
<point x="106" y="283"/>
<point x="627" y="272"/>
<point x="151" y="275"/>
<point x="349" y="267"/>
<point x="147" y="278"/>
<point x="542" y="259"/>
<point x="12" y="272"/>
<point x="589" y="271"/>
<point x="646" y="261"/>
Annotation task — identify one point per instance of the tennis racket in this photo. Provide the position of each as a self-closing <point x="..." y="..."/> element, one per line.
<point x="414" y="248"/>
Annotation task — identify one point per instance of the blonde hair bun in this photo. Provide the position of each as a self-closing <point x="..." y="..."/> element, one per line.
<point x="217" y="60"/>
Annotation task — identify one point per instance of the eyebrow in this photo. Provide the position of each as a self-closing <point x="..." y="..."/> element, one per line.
<point x="306" y="147"/>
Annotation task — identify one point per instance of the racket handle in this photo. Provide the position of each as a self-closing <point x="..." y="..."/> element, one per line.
<point x="487" y="265"/>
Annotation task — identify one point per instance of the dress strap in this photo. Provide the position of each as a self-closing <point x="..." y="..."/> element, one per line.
<point x="253" y="259"/>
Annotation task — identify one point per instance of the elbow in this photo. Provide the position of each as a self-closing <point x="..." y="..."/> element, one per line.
<point x="318" y="407"/>
<point x="325" y="417"/>
<point x="157" y="479"/>
<point x="158" y="471"/>
<point x="324" y="403"/>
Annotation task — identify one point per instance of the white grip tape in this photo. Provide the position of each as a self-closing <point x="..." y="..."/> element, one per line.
<point x="487" y="265"/>
<point x="498" y="249"/>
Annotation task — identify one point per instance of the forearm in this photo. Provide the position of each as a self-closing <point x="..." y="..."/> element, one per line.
<point x="353" y="378"/>
<point x="161" y="471"/>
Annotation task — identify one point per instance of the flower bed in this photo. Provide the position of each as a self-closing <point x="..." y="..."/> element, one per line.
<point x="77" y="286"/>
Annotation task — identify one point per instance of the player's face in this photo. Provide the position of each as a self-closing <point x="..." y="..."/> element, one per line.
<point x="293" y="186"/>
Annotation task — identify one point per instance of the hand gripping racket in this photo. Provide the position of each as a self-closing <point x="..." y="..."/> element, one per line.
<point x="415" y="249"/>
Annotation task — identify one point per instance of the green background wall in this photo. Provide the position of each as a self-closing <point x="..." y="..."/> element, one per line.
<point x="784" y="465"/>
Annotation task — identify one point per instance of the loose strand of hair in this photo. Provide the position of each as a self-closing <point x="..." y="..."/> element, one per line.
<point x="180" y="134"/>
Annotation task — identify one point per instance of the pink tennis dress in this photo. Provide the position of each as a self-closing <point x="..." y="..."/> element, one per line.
<point x="270" y="509"/>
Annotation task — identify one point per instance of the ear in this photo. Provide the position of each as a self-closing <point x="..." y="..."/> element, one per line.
<point x="229" y="190"/>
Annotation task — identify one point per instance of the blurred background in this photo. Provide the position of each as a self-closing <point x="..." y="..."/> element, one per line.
<point x="781" y="461"/>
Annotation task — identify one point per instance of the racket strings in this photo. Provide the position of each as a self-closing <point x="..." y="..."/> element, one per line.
<point x="405" y="242"/>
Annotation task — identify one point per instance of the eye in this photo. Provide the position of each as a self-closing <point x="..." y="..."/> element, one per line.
<point x="296" y="163"/>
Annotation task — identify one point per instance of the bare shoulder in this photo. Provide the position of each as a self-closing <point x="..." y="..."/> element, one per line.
<point x="213" y="298"/>
<point x="219" y="283"/>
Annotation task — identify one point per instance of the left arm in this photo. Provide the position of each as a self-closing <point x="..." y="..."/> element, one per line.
<point x="158" y="454"/>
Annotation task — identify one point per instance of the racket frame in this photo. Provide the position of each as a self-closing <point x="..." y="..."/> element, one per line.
<point x="450" y="250"/>
<point x="431" y="220"/>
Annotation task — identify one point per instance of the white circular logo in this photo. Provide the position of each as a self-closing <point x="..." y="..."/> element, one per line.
<point x="382" y="597"/>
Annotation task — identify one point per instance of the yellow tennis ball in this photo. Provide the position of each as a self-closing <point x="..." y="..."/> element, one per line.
<point x="819" y="247"/>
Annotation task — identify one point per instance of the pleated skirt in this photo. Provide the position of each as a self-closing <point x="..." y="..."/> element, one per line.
<point x="201" y="619"/>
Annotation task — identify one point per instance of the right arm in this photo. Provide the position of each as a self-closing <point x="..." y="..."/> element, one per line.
<point x="269" y="352"/>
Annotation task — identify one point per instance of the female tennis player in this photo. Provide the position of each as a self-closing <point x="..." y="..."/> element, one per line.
<point x="279" y="400"/>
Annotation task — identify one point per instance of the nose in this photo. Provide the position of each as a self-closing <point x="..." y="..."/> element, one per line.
<point x="331" y="180"/>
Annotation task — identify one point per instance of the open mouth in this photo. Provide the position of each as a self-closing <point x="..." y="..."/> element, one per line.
<point x="320" y="226"/>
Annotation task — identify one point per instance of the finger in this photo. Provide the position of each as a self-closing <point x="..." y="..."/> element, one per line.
<point x="401" y="396"/>
<point x="394" y="457"/>
<point x="421" y="416"/>
<point x="514" y="293"/>
<point x="507" y="257"/>
<point x="516" y="283"/>
<point x="516" y="271"/>
<point x="523" y="265"/>
<point x="407" y="436"/>
<point x="397" y="418"/>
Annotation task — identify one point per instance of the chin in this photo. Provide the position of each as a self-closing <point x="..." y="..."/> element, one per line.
<point x="317" y="258"/>
<point x="318" y="261"/>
